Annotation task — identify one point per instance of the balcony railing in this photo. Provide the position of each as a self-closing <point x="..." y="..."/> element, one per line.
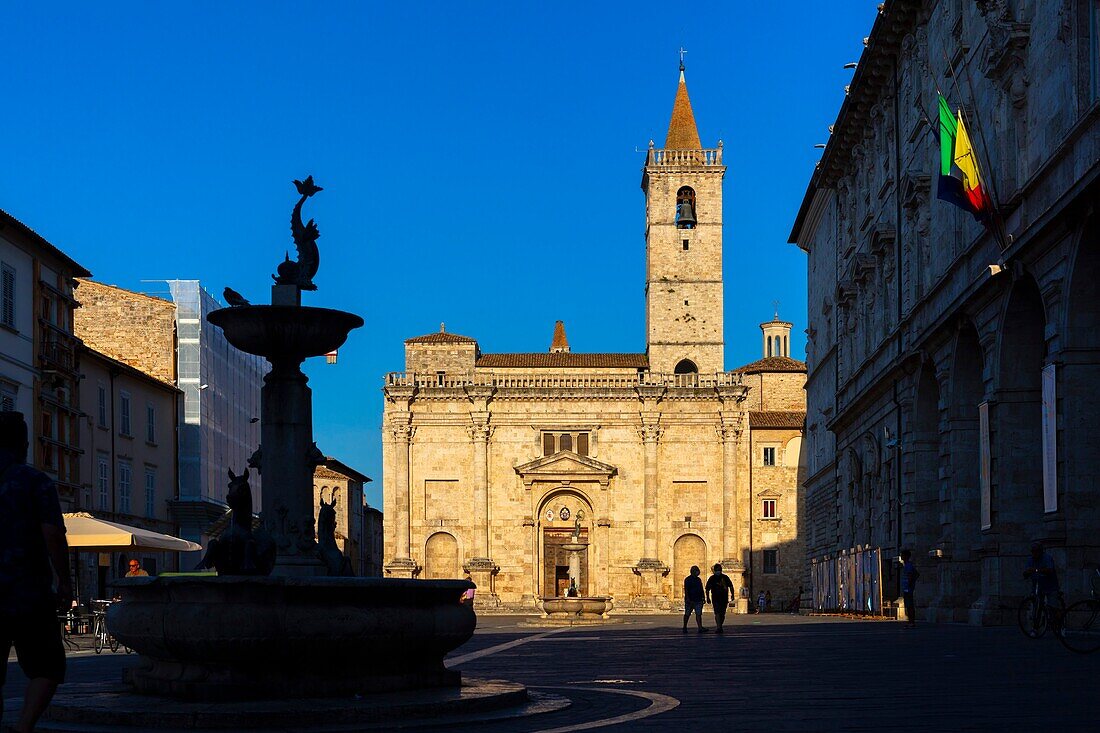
<point x="661" y="156"/>
<point x="563" y="381"/>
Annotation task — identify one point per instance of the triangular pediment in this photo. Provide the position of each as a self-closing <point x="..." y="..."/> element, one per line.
<point x="566" y="466"/>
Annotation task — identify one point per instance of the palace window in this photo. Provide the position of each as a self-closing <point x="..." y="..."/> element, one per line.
<point x="771" y="562"/>
<point x="150" y="493"/>
<point x="7" y="295"/>
<point x="124" y="417"/>
<point x="686" y="244"/>
<point x="103" y="484"/>
<point x="7" y="398"/>
<point x="768" y="509"/>
<point x="150" y="423"/>
<point x="769" y="456"/>
<point x="125" y="486"/>
<point x="102" y="422"/>
<point x="685" y="208"/>
<point x="572" y="441"/>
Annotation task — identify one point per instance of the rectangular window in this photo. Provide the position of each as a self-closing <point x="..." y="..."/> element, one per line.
<point x="547" y="444"/>
<point x="102" y="422"/>
<point x="769" y="456"/>
<point x="150" y="493"/>
<point x="47" y="447"/>
<point x="769" y="509"/>
<point x="7" y="398"/>
<point x="124" y="413"/>
<point x="565" y="442"/>
<point x="150" y="423"/>
<point x="685" y="245"/>
<point x="771" y="562"/>
<point x="7" y="295"/>
<point x="582" y="444"/>
<point x="103" y="484"/>
<point x="125" y="486"/>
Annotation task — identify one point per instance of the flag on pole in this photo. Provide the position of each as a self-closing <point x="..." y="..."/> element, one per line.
<point x="960" y="180"/>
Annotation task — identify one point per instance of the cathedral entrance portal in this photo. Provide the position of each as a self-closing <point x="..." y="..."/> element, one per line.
<point x="564" y="546"/>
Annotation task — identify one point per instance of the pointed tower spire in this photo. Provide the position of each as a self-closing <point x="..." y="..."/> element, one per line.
<point x="560" y="344"/>
<point x="682" y="132"/>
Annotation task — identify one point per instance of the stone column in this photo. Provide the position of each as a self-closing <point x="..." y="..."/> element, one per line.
<point x="649" y="569"/>
<point x="730" y="427"/>
<point x="531" y="598"/>
<point x="480" y="565"/>
<point x="402" y="565"/>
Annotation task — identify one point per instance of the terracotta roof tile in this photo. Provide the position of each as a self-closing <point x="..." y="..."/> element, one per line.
<point x="441" y="337"/>
<point x="682" y="132"/>
<point x="773" y="364"/>
<point x="775" y="419"/>
<point x="564" y="360"/>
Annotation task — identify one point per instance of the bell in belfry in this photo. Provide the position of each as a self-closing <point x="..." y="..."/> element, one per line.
<point x="685" y="218"/>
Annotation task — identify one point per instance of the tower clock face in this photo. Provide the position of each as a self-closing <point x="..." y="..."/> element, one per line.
<point x="564" y="513"/>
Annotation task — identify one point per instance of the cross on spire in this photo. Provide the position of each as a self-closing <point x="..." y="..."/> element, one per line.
<point x="776" y="304"/>
<point x="682" y="52"/>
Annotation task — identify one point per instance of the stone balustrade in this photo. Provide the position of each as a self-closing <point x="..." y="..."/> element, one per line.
<point x="562" y="381"/>
<point x="659" y="157"/>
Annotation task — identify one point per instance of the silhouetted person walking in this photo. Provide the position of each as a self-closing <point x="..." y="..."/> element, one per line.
<point x="32" y="539"/>
<point x="909" y="575"/>
<point x="693" y="598"/>
<point x="719" y="589"/>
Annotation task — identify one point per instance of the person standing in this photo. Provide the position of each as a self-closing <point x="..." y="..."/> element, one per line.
<point x="761" y="601"/>
<point x="767" y="600"/>
<point x="136" y="571"/>
<point x="719" y="589"/>
<point x="693" y="598"/>
<point x="909" y="575"/>
<point x="32" y="550"/>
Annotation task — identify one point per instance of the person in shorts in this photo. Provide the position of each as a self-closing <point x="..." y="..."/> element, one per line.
<point x="693" y="598"/>
<point x="719" y="589"/>
<point x="32" y="548"/>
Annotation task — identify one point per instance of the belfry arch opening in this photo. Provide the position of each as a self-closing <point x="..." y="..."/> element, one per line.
<point x="685" y="208"/>
<point x="686" y="366"/>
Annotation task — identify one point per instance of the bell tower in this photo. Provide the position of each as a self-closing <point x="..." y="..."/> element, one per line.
<point x="683" y="191"/>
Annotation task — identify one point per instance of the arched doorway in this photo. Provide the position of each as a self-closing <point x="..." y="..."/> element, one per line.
<point x="921" y="526"/>
<point x="561" y="514"/>
<point x="688" y="550"/>
<point x="1079" y="393"/>
<point x="1017" y="479"/>
<point x="441" y="557"/>
<point x="962" y="577"/>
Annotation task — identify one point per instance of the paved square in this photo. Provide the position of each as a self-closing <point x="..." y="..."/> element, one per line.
<point x="767" y="673"/>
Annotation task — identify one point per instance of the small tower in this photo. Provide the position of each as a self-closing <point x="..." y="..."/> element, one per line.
<point x="559" y="344"/>
<point x="777" y="336"/>
<point x="683" y="189"/>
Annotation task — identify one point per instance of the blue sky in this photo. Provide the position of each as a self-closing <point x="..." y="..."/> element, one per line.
<point x="480" y="162"/>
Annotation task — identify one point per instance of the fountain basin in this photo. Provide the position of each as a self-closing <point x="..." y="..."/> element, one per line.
<point x="226" y="638"/>
<point x="284" y="331"/>
<point x="578" y="606"/>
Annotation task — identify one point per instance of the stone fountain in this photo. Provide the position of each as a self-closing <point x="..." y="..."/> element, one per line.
<point x="573" y="608"/>
<point x="277" y="627"/>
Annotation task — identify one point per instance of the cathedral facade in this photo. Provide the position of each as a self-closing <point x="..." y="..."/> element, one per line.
<point x="653" y="461"/>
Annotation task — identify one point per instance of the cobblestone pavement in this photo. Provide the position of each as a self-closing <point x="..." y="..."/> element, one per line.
<point x="768" y="673"/>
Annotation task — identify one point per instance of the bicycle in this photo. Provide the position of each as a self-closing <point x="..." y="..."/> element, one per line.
<point x="101" y="637"/>
<point x="1080" y="623"/>
<point x="1036" y="612"/>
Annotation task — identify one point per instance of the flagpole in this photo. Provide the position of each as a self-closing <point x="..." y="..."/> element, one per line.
<point x="1001" y="232"/>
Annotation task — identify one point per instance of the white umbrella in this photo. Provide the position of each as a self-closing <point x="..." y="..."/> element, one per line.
<point x="85" y="532"/>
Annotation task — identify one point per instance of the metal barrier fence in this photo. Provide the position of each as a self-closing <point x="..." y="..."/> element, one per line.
<point x="850" y="581"/>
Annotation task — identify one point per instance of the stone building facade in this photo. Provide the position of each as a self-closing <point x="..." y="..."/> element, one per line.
<point x="953" y="373"/>
<point x="39" y="353"/>
<point x="658" y="460"/>
<point x="129" y="461"/>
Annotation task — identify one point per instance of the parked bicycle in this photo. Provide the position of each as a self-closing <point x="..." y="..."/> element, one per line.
<point x="1079" y="627"/>
<point x="1040" y="611"/>
<point x="101" y="637"/>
